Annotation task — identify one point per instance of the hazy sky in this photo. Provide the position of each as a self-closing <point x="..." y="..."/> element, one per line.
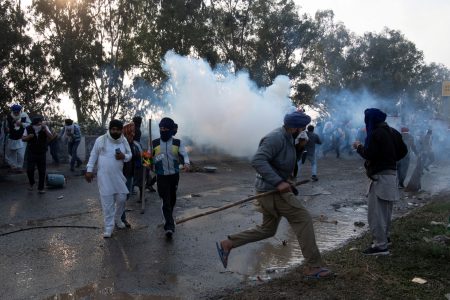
<point x="424" y="22"/>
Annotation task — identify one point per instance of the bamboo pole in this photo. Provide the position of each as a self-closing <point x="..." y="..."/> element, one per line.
<point x="144" y="169"/>
<point x="180" y="221"/>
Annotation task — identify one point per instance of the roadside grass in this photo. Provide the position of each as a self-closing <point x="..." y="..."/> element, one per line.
<point x="413" y="254"/>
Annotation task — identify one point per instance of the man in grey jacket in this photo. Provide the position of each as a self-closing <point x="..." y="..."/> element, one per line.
<point x="274" y="162"/>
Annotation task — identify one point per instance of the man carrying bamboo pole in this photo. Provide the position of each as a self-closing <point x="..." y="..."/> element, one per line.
<point x="274" y="162"/>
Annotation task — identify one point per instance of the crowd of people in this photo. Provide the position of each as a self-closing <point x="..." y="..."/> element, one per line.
<point x="116" y="160"/>
<point x="337" y="136"/>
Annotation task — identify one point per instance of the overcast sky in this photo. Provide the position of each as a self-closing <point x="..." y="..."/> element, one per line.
<point x="424" y="22"/>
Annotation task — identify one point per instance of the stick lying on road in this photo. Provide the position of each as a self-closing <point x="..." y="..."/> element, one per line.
<point x="232" y="204"/>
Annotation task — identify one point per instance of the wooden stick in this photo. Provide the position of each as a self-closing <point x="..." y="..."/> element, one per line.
<point x="144" y="169"/>
<point x="234" y="204"/>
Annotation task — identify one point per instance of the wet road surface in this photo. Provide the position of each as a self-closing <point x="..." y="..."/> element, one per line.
<point x="51" y="245"/>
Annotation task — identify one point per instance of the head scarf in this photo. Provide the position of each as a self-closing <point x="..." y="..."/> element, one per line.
<point x="296" y="119"/>
<point x="116" y="123"/>
<point x="137" y="120"/>
<point x="36" y="120"/>
<point x="16" y="108"/>
<point x="372" y="117"/>
<point x="128" y="131"/>
<point x="167" y="123"/>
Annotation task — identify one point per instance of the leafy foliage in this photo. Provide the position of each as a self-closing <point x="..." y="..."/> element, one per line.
<point x="106" y="54"/>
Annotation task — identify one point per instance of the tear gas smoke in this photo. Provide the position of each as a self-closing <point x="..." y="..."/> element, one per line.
<point x="222" y="109"/>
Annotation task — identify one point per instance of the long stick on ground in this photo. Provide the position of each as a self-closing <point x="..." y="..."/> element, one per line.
<point x="233" y="204"/>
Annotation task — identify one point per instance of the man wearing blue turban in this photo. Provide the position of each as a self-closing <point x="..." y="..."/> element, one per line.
<point x="382" y="149"/>
<point x="274" y="163"/>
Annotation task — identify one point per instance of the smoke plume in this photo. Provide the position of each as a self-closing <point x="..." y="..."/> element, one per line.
<point x="220" y="108"/>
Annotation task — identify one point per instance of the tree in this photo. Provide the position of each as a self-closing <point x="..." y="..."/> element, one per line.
<point x="67" y="28"/>
<point x="10" y="23"/>
<point x="115" y="31"/>
<point x="326" y="58"/>
<point x="281" y="38"/>
<point x="390" y="64"/>
<point x="26" y="72"/>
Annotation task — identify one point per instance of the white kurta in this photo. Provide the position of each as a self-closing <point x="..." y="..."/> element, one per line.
<point x="110" y="176"/>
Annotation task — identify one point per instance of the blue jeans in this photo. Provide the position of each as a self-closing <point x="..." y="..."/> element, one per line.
<point x="72" y="148"/>
<point x="312" y="159"/>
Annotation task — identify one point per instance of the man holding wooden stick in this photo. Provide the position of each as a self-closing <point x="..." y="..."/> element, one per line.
<point x="274" y="162"/>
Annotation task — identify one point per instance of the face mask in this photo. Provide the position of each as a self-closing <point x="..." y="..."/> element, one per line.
<point x="165" y="135"/>
<point x="115" y="135"/>
<point x="295" y="134"/>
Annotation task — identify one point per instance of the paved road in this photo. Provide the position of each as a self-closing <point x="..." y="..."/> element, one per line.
<point x="72" y="262"/>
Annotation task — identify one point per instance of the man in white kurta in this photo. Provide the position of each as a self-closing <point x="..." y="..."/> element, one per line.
<point x="110" y="151"/>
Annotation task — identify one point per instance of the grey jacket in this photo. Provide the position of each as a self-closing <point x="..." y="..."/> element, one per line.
<point x="274" y="160"/>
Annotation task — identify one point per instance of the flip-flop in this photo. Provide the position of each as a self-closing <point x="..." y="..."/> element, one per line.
<point x="317" y="275"/>
<point x="222" y="254"/>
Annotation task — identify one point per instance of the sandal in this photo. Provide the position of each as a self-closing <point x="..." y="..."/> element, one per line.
<point x="223" y="255"/>
<point x="319" y="274"/>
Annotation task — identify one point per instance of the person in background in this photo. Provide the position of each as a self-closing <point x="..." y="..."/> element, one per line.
<point x="382" y="149"/>
<point x="129" y="167"/>
<point x="110" y="151"/>
<point x="427" y="150"/>
<point x="53" y="144"/>
<point x="403" y="164"/>
<point x="310" y="148"/>
<point x="36" y="136"/>
<point x="72" y="133"/>
<point x="166" y="151"/>
<point x="16" y="122"/>
<point x="274" y="163"/>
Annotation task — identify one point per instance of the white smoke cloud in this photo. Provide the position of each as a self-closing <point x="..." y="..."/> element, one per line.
<point x="223" y="109"/>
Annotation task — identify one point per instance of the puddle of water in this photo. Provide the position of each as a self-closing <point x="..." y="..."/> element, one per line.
<point x="275" y="259"/>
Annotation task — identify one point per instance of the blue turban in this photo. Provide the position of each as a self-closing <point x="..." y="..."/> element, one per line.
<point x="372" y="117"/>
<point x="296" y="119"/>
<point x="167" y="123"/>
<point x="16" y="107"/>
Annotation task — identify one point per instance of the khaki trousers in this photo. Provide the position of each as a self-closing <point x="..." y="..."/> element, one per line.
<point x="274" y="207"/>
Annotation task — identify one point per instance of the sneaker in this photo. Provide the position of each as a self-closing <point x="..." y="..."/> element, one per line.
<point x="107" y="234"/>
<point x="120" y="224"/>
<point x="375" y="251"/>
<point x="127" y="225"/>
<point x="30" y="188"/>
<point x="41" y="192"/>
<point x="169" y="234"/>
<point x="389" y="242"/>
<point x="314" y="178"/>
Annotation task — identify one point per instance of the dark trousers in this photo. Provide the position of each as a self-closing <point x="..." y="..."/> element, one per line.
<point x="72" y="148"/>
<point x="167" y="190"/>
<point x="54" y="150"/>
<point x="33" y="161"/>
